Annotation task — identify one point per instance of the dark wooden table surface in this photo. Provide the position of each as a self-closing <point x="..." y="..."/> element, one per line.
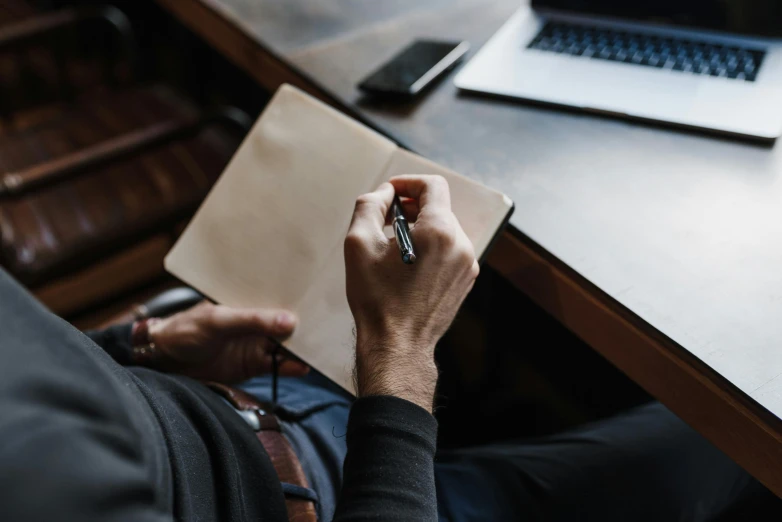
<point x="662" y="249"/>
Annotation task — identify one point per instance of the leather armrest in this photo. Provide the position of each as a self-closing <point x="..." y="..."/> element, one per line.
<point x="171" y="302"/>
<point x="164" y="304"/>
<point x="16" y="184"/>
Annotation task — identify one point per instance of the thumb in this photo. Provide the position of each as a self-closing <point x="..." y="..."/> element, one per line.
<point x="369" y="216"/>
<point x="250" y="321"/>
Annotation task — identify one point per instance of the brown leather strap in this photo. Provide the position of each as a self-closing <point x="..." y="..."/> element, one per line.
<point x="283" y="458"/>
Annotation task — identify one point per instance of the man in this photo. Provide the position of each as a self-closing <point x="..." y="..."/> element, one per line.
<point x="108" y="432"/>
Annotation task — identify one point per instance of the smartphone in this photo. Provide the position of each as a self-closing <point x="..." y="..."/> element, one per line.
<point x="414" y="68"/>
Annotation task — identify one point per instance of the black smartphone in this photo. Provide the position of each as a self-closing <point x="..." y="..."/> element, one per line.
<point x="414" y="68"/>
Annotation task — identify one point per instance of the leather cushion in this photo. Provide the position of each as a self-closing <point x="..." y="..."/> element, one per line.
<point x="57" y="66"/>
<point x="65" y="226"/>
<point x="14" y="11"/>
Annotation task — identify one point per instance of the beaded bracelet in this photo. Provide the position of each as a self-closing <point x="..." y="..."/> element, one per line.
<point x="144" y="351"/>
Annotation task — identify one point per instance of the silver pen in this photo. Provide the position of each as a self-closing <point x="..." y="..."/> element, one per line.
<point x="402" y="232"/>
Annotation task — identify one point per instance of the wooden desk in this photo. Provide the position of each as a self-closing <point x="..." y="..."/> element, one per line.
<point x="661" y="249"/>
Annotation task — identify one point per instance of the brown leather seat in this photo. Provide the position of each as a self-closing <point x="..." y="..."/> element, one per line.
<point x="56" y="229"/>
<point x="14" y="11"/>
<point x="96" y="178"/>
<point x="49" y="58"/>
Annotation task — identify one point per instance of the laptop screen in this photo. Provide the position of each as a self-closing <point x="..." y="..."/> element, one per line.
<point x="762" y="17"/>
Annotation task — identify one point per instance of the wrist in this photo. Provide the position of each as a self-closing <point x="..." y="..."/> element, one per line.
<point x="402" y="340"/>
<point x="418" y="388"/>
<point x="144" y="351"/>
<point x="387" y="368"/>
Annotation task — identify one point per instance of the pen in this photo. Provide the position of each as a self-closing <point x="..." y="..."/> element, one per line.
<point x="402" y="232"/>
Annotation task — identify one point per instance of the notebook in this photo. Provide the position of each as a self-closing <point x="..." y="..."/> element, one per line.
<point x="271" y="231"/>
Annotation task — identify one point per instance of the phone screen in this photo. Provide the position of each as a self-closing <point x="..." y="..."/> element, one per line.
<point x="741" y="16"/>
<point x="401" y="73"/>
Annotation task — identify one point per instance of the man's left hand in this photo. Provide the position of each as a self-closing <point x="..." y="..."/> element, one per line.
<point x="223" y="344"/>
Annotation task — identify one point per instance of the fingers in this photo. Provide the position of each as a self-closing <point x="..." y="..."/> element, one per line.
<point x="437" y="230"/>
<point x="431" y="192"/>
<point x="436" y="227"/>
<point x="426" y="200"/>
<point x="409" y="208"/>
<point x="291" y="368"/>
<point x="370" y="213"/>
<point x="248" y="321"/>
<point x="365" y="237"/>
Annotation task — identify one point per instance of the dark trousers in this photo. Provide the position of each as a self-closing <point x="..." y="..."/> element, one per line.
<point x="645" y="465"/>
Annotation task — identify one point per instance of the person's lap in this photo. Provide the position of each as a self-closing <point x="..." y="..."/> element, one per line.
<point x="643" y="465"/>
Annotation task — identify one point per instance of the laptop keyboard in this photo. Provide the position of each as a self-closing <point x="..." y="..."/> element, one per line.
<point x="687" y="56"/>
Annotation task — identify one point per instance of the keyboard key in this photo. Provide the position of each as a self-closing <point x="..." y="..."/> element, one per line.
<point x="650" y="50"/>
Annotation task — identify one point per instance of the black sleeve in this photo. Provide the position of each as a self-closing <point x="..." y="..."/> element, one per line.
<point x="76" y="442"/>
<point x="389" y="468"/>
<point x="115" y="341"/>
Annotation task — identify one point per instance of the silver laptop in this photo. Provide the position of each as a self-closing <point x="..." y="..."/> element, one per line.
<point x="682" y="62"/>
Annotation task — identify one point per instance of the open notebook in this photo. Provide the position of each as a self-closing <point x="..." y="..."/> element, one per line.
<point x="270" y="232"/>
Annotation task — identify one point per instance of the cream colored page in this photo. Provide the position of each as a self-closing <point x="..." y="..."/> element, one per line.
<point x="479" y="209"/>
<point x="276" y="215"/>
<point x="327" y="343"/>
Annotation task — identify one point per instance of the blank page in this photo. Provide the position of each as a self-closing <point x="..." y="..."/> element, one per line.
<point x="282" y="205"/>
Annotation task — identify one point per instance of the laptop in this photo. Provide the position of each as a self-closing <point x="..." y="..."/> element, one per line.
<point x="714" y="65"/>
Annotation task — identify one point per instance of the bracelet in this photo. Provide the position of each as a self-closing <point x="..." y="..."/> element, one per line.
<point x="143" y="351"/>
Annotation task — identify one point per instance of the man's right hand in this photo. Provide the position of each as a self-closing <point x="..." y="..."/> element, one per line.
<point x="400" y="310"/>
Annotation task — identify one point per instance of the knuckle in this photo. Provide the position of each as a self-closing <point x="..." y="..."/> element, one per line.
<point x="366" y="200"/>
<point x="443" y="235"/>
<point x="356" y="242"/>
<point x="475" y="270"/>
<point x="466" y="257"/>
<point x="438" y="181"/>
<point x="440" y="238"/>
